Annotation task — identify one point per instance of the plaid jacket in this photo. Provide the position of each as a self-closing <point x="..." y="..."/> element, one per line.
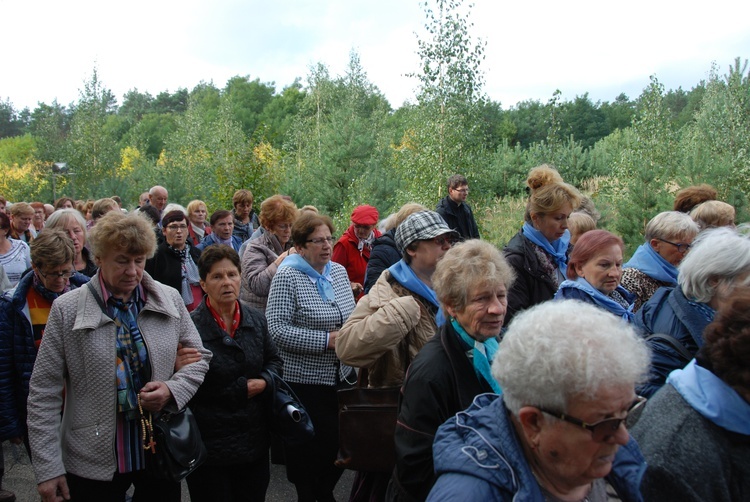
<point x="299" y="321"/>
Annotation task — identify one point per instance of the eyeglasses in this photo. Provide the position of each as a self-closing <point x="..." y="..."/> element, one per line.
<point x="57" y="275"/>
<point x="176" y="228"/>
<point x="461" y="190"/>
<point x="682" y="247"/>
<point x="442" y="240"/>
<point x="284" y="226"/>
<point x="603" y="429"/>
<point x="321" y="240"/>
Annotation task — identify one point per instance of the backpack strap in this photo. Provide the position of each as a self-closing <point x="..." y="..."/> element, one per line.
<point x="672" y="342"/>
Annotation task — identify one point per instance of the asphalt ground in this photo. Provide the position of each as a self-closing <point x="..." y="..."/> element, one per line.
<point x="19" y="478"/>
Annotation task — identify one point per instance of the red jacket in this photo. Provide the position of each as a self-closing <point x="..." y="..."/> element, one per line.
<point x="346" y="254"/>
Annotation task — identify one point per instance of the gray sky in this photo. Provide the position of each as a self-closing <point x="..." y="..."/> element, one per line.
<point x="533" y="47"/>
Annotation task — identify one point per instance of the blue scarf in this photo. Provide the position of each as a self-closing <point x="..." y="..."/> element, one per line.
<point x="483" y="355"/>
<point x="322" y="281"/>
<point x="405" y="276"/>
<point x="599" y="298"/>
<point x="652" y="264"/>
<point x="558" y="249"/>
<point x="710" y="396"/>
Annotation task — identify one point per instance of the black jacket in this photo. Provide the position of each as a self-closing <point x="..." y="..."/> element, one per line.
<point x="439" y="383"/>
<point x="532" y="285"/>
<point x="384" y="253"/>
<point x="166" y="267"/>
<point x="235" y="429"/>
<point x="459" y="218"/>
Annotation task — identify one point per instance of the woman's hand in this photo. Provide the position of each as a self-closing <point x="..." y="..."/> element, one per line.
<point x="54" y="490"/>
<point x="332" y="339"/>
<point x="155" y="396"/>
<point x="284" y="255"/>
<point x="357" y="289"/>
<point x="255" y="386"/>
<point x="185" y="356"/>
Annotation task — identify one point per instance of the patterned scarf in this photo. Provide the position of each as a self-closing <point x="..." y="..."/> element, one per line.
<point x="190" y="276"/>
<point x="558" y="249"/>
<point x="132" y="357"/>
<point x="46" y="293"/>
<point x="482" y="355"/>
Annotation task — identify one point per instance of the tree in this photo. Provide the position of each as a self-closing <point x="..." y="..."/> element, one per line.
<point x="11" y="123"/>
<point x="248" y="98"/>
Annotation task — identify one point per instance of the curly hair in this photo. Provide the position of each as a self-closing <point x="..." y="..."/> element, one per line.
<point x="131" y="233"/>
<point x="276" y="209"/>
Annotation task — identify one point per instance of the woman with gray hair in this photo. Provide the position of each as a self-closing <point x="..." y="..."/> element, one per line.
<point x="669" y="236"/>
<point x="471" y="282"/>
<point x="72" y="223"/>
<point x="112" y="346"/>
<point x="568" y="371"/>
<point x="718" y="262"/>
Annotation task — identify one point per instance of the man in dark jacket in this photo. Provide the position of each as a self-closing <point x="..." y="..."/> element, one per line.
<point x="454" y="209"/>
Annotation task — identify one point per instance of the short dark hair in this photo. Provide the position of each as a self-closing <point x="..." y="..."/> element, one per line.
<point x="214" y="254"/>
<point x="151" y="212"/>
<point x="457" y="180"/>
<point x="306" y="225"/>
<point x="4" y="221"/>
<point x="219" y="214"/>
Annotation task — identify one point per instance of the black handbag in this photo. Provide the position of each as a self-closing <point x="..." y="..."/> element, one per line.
<point x="179" y="448"/>
<point x="289" y="418"/>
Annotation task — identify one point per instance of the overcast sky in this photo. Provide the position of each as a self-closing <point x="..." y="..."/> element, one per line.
<point x="49" y="48"/>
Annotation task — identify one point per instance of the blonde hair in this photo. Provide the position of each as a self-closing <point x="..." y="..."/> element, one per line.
<point x="579" y="223"/>
<point x="713" y="214"/>
<point x="549" y="193"/>
<point x="131" y="233"/>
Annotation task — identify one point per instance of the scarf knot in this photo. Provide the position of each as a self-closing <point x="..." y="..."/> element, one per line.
<point x="322" y="281"/>
<point x="557" y="249"/>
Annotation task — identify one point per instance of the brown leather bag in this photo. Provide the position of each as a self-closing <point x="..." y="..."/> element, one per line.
<point x="367" y="422"/>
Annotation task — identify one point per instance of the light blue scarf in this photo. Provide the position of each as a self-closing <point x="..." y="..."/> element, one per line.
<point x="322" y="281"/>
<point x="710" y="396"/>
<point x="558" y="249"/>
<point x="599" y="298"/>
<point x="483" y="355"/>
<point x="405" y="276"/>
<point x="652" y="264"/>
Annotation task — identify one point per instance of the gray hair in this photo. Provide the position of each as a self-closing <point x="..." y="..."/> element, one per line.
<point x="468" y="265"/>
<point x="671" y="225"/>
<point x="559" y="350"/>
<point x="718" y="258"/>
<point x="60" y="217"/>
<point x="173" y="206"/>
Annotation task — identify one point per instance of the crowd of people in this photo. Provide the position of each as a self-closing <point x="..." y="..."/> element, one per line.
<point x="521" y="370"/>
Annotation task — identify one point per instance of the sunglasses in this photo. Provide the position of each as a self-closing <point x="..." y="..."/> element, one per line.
<point x="603" y="429"/>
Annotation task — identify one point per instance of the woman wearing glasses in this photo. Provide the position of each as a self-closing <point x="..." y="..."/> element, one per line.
<point x="568" y="371"/>
<point x="654" y="264"/>
<point x="175" y="262"/>
<point x="594" y="273"/>
<point x="718" y="262"/>
<point x="263" y="255"/>
<point x="309" y="300"/>
<point x="23" y="317"/>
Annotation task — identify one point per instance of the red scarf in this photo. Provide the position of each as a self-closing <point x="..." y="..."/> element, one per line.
<point x="220" y="321"/>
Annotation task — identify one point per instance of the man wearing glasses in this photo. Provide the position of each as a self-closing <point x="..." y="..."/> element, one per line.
<point x="455" y="211"/>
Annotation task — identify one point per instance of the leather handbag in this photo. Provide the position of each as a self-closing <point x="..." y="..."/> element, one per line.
<point x="179" y="448"/>
<point x="289" y="418"/>
<point x="367" y="423"/>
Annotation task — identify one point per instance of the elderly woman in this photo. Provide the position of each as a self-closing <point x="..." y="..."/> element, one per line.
<point x="309" y="300"/>
<point x="175" y="261"/>
<point x="654" y="264"/>
<point x="718" y="262"/>
<point x="197" y="212"/>
<point x="397" y="317"/>
<point x="112" y="346"/>
<point x="23" y="317"/>
<point x="222" y="225"/>
<point x="73" y="224"/>
<point x="14" y="254"/>
<point x="539" y="252"/>
<point x="568" y="372"/>
<point x="21" y="216"/>
<point x="352" y="251"/>
<point x="231" y="406"/>
<point x="695" y="432"/>
<point x="594" y="273"/>
<point x="471" y="282"/>
<point x="263" y="255"/>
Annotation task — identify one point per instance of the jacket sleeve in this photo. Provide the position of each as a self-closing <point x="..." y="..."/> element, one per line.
<point x="184" y="383"/>
<point x="282" y="302"/>
<point x="257" y="270"/>
<point x="340" y="255"/>
<point x="518" y="295"/>
<point x="379" y="261"/>
<point x="371" y="331"/>
<point x="9" y="426"/>
<point x="454" y="486"/>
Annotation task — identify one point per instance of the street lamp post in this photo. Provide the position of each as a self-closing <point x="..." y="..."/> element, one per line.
<point x="58" y="169"/>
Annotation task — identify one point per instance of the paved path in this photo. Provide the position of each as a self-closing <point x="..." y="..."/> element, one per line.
<point x="19" y="479"/>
